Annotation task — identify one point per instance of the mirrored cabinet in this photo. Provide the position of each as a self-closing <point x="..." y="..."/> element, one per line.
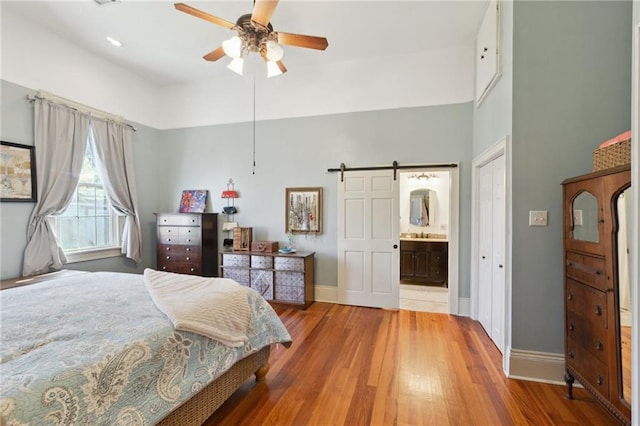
<point x="597" y="286"/>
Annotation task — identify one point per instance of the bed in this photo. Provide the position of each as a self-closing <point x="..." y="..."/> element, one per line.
<point x="93" y="348"/>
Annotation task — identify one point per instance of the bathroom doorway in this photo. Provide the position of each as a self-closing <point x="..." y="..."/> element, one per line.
<point x="429" y="240"/>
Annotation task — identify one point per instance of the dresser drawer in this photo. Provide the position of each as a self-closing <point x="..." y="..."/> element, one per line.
<point x="168" y="257"/>
<point x="179" y="267"/>
<point x="264" y="262"/>
<point x="587" y="302"/>
<point x="164" y="249"/>
<point x="289" y="263"/>
<point x="262" y="282"/>
<point x="589" y="367"/>
<point x="239" y="275"/>
<point x="591" y="337"/>
<point x="239" y="260"/>
<point x="587" y="269"/>
<point x="182" y="219"/>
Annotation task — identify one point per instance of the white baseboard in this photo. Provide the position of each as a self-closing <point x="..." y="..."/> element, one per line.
<point x="326" y="293"/>
<point x="464" y="307"/>
<point x="329" y="294"/>
<point x="535" y="366"/>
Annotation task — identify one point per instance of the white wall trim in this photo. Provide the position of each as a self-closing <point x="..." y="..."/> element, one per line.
<point x="544" y="367"/>
<point x="501" y="147"/>
<point x="464" y="306"/>
<point x="326" y="293"/>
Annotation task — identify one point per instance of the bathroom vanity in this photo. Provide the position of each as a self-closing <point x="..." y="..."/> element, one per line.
<point x="424" y="260"/>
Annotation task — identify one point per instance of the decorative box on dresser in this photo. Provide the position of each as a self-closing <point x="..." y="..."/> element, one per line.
<point x="187" y="243"/>
<point x="595" y="352"/>
<point x="286" y="279"/>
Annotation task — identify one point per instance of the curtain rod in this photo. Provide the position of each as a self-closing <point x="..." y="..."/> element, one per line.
<point x="394" y="166"/>
<point x="46" y="96"/>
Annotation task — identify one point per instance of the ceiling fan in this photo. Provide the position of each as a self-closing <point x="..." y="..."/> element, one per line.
<point x="255" y="34"/>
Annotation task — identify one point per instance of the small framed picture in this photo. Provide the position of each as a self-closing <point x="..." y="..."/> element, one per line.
<point x="18" y="168"/>
<point x="193" y="200"/>
<point x="303" y="209"/>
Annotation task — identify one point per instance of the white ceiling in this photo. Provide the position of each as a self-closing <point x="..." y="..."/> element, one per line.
<point x="166" y="46"/>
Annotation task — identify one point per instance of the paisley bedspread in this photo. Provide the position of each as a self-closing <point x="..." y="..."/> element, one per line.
<point x="92" y="349"/>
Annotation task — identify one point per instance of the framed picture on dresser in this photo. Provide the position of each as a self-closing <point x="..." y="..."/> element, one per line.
<point x="193" y="201"/>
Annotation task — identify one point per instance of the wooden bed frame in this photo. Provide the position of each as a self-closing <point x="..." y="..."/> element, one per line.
<point x="196" y="410"/>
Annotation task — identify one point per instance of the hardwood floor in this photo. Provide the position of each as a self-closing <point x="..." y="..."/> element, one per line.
<point x="363" y="366"/>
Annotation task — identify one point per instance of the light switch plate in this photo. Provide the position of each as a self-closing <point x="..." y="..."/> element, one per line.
<point x="537" y="218"/>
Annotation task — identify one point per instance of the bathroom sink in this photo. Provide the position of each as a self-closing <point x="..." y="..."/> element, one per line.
<point x="408" y="235"/>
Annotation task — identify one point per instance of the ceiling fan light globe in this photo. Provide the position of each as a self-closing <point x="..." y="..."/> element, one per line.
<point x="232" y="47"/>
<point x="236" y="65"/>
<point x="273" y="70"/>
<point x="275" y="52"/>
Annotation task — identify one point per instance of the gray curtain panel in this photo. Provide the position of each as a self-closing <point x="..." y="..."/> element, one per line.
<point x="60" y="138"/>
<point x="114" y="160"/>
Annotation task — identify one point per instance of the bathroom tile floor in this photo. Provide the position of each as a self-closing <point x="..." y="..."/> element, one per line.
<point x="424" y="298"/>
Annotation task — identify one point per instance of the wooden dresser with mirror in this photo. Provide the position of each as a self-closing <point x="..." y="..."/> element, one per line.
<point x="597" y="211"/>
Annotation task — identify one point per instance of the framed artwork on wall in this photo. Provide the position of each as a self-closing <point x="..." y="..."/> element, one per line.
<point x="193" y="200"/>
<point x="18" y="168"/>
<point x="303" y="210"/>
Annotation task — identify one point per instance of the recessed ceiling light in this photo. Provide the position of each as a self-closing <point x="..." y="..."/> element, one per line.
<point x="115" y="42"/>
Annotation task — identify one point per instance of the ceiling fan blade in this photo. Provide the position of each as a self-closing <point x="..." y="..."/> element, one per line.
<point x="263" y="10"/>
<point x="299" y="40"/>
<point x="214" y="55"/>
<point x="203" y="15"/>
<point x="281" y="66"/>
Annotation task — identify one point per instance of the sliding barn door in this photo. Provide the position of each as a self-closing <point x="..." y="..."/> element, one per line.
<point x="368" y="238"/>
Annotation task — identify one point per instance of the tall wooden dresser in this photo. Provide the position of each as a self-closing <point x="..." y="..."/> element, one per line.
<point x="594" y="350"/>
<point x="187" y="243"/>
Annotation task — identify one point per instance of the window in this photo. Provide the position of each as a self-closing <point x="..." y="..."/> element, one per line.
<point x="89" y="228"/>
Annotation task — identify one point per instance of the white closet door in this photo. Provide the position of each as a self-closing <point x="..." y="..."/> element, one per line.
<point x="498" y="252"/>
<point x="368" y="238"/>
<point x="491" y="249"/>
<point x="485" y="246"/>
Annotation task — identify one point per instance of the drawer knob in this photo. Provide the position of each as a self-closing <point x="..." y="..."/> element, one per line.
<point x="168" y="240"/>
<point x="168" y="230"/>
<point x="570" y="296"/>
<point x="600" y="379"/>
<point x="572" y="355"/>
<point x="571" y="326"/>
<point x="598" y="310"/>
<point x="599" y="346"/>
<point x="168" y="248"/>
<point x="189" y="231"/>
<point x="192" y="269"/>
<point x="188" y="258"/>
<point x="164" y="268"/>
<point x="168" y="257"/>
<point x="189" y="240"/>
<point x="188" y="249"/>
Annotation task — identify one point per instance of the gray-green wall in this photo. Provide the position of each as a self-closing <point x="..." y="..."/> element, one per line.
<point x="289" y="153"/>
<point x="571" y="91"/>
<point x="16" y="115"/>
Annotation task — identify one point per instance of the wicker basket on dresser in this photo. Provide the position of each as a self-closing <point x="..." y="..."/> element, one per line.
<point x="593" y="341"/>
<point x="187" y="243"/>
<point x="286" y="279"/>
